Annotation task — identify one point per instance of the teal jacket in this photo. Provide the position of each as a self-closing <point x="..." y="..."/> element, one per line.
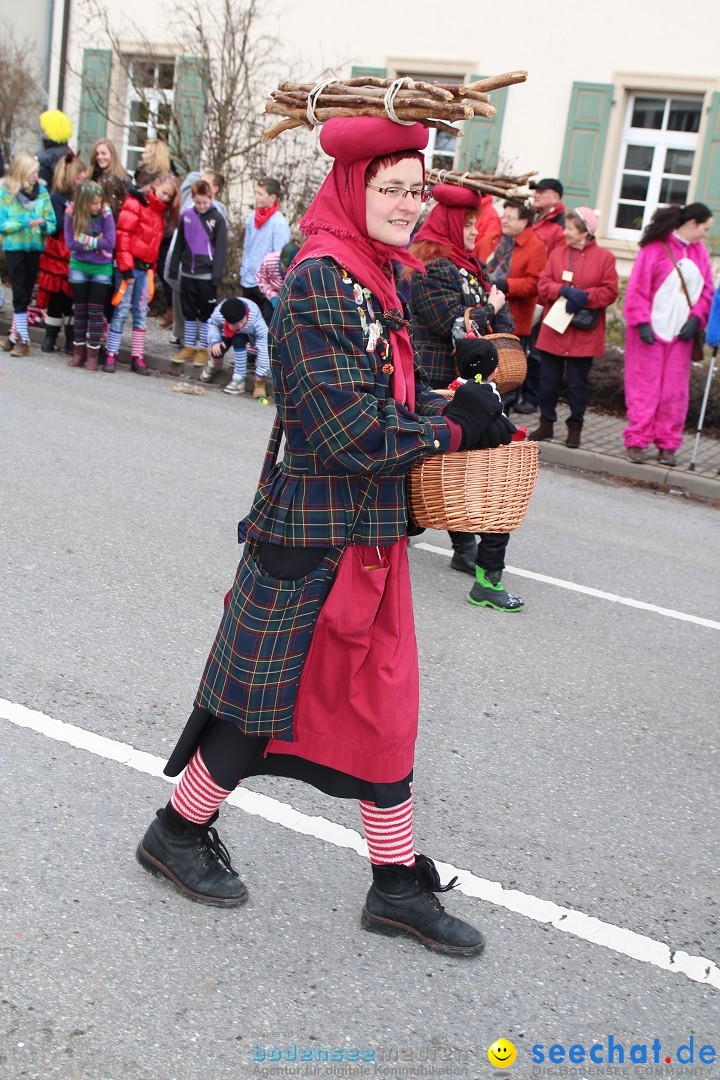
<point x="17" y="212"/>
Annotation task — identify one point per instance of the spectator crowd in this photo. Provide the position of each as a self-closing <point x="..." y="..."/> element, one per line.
<point x="86" y="242"/>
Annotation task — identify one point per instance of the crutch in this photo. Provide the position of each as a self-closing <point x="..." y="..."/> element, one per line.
<point x="706" y="395"/>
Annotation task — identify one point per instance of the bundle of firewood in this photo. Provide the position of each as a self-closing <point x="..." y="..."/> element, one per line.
<point x="433" y="104"/>
<point x="503" y="187"/>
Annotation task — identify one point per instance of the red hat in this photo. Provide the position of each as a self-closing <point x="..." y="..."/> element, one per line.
<point x="358" y="138"/>
<point x="590" y="217"/>
<point x="452" y="195"/>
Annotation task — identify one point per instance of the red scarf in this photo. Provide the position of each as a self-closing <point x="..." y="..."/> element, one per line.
<point x="444" y="225"/>
<point x="264" y="213"/>
<point x="335" y="225"/>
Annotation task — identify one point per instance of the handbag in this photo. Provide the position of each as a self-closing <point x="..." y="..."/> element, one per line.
<point x="586" y="318"/>
<point x="253" y="671"/>
<point x="698" y="341"/>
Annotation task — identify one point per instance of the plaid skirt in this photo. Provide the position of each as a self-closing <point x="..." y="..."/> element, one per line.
<point x="252" y="673"/>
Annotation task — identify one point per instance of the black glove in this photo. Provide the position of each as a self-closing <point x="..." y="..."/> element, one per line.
<point x="689" y="329"/>
<point x="474" y="406"/>
<point x="127" y="275"/>
<point x="498" y="432"/>
<point x="645" y="331"/>
<point x="500" y="281"/>
<point x="574" y="298"/>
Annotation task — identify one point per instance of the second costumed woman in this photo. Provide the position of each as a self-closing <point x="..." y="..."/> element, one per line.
<point x="454" y="282"/>
<point x="331" y="699"/>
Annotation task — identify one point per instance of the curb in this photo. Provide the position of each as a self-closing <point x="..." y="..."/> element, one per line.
<point x="649" y="475"/>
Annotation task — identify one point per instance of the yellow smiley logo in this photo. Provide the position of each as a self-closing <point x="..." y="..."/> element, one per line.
<point x="501" y="1054"/>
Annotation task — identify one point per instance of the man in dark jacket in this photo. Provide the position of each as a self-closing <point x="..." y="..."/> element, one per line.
<point x="199" y="260"/>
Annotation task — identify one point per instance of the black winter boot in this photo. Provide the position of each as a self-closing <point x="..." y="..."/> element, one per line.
<point x="69" y="338"/>
<point x="48" y="342"/>
<point x="402" y="900"/>
<point x="464" y="554"/>
<point x="192" y="857"/>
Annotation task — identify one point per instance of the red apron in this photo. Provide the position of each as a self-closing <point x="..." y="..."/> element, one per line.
<point x="358" y="698"/>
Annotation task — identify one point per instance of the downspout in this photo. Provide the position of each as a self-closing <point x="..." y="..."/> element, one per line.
<point x="63" y="53"/>
<point x="48" y="51"/>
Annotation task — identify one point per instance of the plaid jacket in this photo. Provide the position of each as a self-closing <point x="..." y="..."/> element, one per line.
<point x="347" y="441"/>
<point x="437" y="299"/>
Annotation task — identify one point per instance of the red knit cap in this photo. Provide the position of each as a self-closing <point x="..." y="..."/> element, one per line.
<point x="452" y="195"/>
<point x="589" y="216"/>
<point x="358" y="138"/>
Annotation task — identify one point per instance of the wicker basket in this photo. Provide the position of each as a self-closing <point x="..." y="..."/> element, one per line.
<point x="512" y="362"/>
<point x="475" y="490"/>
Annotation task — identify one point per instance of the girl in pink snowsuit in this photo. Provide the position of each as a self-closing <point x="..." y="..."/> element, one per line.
<point x="661" y="325"/>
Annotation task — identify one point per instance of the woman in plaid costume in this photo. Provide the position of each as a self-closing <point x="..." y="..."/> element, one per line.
<point x="454" y="281"/>
<point x="323" y="586"/>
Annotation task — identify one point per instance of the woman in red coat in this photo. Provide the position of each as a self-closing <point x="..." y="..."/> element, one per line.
<point x="585" y="276"/>
<point x="140" y="230"/>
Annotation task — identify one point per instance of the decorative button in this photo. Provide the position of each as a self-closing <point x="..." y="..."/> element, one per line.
<point x="388" y="369"/>
<point x="436" y="444"/>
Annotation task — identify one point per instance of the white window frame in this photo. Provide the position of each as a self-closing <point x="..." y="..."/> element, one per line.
<point x="431" y="71"/>
<point x="153" y="96"/>
<point x="659" y="139"/>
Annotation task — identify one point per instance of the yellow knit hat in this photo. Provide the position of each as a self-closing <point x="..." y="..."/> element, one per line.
<point x="56" y="125"/>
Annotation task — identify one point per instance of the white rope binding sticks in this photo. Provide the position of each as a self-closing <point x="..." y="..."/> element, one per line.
<point x="312" y="98"/>
<point x="389" y="102"/>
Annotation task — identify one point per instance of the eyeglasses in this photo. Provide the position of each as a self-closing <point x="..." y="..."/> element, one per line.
<point x="400" y="193"/>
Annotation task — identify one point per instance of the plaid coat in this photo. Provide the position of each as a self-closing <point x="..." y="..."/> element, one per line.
<point x="348" y="448"/>
<point x="437" y="299"/>
<point x="331" y="360"/>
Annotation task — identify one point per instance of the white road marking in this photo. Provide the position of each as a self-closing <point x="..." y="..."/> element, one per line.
<point x="670" y="613"/>
<point x="577" y="923"/>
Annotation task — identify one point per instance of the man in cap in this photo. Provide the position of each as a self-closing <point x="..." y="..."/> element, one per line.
<point x="549" y="228"/>
<point x="549" y="210"/>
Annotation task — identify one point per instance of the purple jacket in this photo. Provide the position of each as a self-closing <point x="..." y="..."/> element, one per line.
<point x="101" y="231"/>
<point x="200" y="245"/>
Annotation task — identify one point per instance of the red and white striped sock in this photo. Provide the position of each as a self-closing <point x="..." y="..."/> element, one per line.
<point x="137" y="344"/>
<point x="389" y="833"/>
<point x="197" y="796"/>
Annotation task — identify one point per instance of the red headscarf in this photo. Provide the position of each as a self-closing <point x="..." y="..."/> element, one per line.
<point x="336" y="227"/>
<point x="446" y="221"/>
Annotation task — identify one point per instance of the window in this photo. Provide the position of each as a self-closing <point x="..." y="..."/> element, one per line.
<point x="149" y="105"/>
<point x="442" y="145"/>
<point x="660" y="139"/>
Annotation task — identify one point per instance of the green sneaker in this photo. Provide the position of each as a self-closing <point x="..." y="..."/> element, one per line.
<point x="489" y="591"/>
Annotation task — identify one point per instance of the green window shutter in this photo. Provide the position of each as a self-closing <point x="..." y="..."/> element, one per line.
<point x="585" y="137"/>
<point x="480" y="146"/>
<point x="188" y="113"/>
<point x="94" y="98"/>
<point x="358" y="69"/>
<point x="708" y="185"/>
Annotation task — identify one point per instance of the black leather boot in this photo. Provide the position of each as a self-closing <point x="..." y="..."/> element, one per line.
<point x="51" y="335"/>
<point x="69" y="338"/>
<point x="192" y="857"/>
<point x="464" y="553"/>
<point x="402" y="900"/>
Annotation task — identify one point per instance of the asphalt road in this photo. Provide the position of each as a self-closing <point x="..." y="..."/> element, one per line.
<point x="568" y="752"/>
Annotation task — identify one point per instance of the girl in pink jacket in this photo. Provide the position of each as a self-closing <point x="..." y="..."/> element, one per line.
<point x="661" y="324"/>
